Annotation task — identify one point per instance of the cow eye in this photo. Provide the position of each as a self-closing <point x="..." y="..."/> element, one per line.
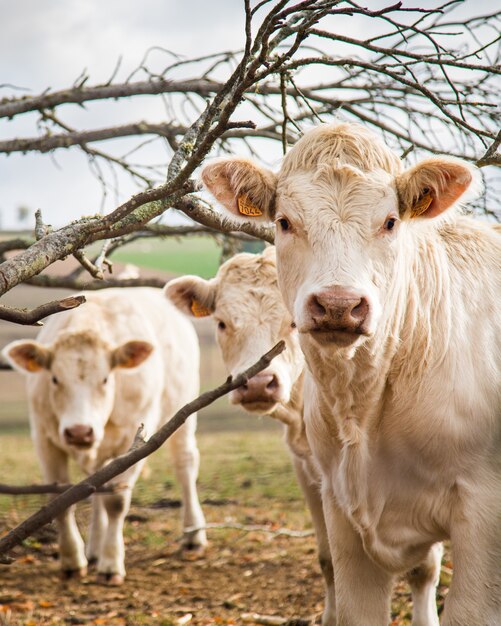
<point x="105" y="380"/>
<point x="55" y="380"/>
<point x="390" y="223"/>
<point x="284" y="224"/>
<point x="221" y="325"/>
<point x="293" y="324"/>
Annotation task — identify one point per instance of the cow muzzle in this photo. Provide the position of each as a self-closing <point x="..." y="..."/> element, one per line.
<point x="79" y="436"/>
<point x="337" y="315"/>
<point x="259" y="394"/>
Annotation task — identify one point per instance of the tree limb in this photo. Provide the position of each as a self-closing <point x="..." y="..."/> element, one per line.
<point x="33" y="317"/>
<point x="68" y="282"/>
<point x="20" y="490"/>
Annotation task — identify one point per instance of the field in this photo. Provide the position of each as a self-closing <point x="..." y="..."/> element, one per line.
<point x="192" y="255"/>
<point x="245" y="479"/>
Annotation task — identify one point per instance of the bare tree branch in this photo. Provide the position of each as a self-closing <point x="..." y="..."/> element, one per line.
<point x="33" y="317"/>
<point x="20" y="490"/>
<point x="67" y="282"/>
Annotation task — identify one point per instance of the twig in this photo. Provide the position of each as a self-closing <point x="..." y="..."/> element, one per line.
<point x="89" y="485"/>
<point x="87" y="264"/>
<point x="275" y="620"/>
<point x="33" y="317"/>
<point x="249" y="528"/>
<point x="41" y="229"/>
<point x="19" y="490"/>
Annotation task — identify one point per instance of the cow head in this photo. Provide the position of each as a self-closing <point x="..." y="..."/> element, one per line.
<point x="348" y="219"/>
<point x="78" y="369"/>
<point x="250" y="316"/>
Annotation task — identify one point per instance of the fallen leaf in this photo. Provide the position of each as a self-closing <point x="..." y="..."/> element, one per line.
<point x="45" y="604"/>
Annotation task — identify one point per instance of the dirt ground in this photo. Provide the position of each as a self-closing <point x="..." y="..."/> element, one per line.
<point x="241" y="572"/>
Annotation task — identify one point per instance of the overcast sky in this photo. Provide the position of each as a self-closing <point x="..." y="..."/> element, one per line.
<point x="48" y="43"/>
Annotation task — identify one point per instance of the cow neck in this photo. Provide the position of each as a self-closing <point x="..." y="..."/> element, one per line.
<point x="291" y="415"/>
<point x="414" y="335"/>
<point x="296" y="402"/>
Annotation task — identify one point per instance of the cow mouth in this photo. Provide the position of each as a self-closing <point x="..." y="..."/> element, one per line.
<point x="341" y="337"/>
<point x="259" y="406"/>
<point x="80" y="445"/>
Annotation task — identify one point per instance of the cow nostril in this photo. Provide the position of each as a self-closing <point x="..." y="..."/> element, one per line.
<point x="316" y="308"/>
<point x="245" y="386"/>
<point x="273" y="384"/>
<point x="360" y="310"/>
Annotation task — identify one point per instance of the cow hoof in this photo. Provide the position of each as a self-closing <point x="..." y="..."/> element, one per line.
<point x="191" y="552"/>
<point x="74" y="574"/>
<point x="110" y="580"/>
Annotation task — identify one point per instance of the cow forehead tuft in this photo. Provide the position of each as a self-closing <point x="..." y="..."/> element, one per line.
<point x="251" y="269"/>
<point x="79" y="340"/>
<point x="344" y="144"/>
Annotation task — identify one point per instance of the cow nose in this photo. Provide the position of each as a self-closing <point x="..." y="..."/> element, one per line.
<point x="260" y="388"/>
<point x="79" y="435"/>
<point x="338" y="308"/>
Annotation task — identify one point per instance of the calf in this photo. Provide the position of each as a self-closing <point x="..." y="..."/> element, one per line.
<point x="127" y="357"/>
<point x="246" y="304"/>
<point x="396" y="297"/>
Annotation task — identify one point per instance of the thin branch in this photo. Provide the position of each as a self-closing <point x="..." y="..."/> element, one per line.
<point x="10" y="107"/>
<point x="88" y="485"/>
<point x="19" y="490"/>
<point x="93" y="270"/>
<point x="33" y="317"/>
<point x="250" y="528"/>
<point x="68" y="282"/>
<point x="275" y="620"/>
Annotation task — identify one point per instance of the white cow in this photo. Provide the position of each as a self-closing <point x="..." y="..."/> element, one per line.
<point x="95" y="374"/>
<point x="396" y="297"/>
<point x="245" y="301"/>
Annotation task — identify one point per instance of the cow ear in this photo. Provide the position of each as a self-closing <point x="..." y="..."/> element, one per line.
<point x="192" y="295"/>
<point x="27" y="356"/>
<point x="433" y="185"/>
<point x="131" y="354"/>
<point x="245" y="189"/>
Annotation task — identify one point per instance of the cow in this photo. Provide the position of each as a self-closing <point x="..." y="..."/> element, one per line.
<point x="126" y="357"/>
<point x="245" y="302"/>
<point x="396" y="297"/>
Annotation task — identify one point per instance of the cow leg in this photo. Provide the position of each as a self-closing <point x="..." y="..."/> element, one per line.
<point x="54" y="464"/>
<point x="311" y="494"/>
<point x="186" y="459"/>
<point x="111" y="561"/>
<point x="474" y="596"/>
<point x="423" y="581"/>
<point x="363" y="589"/>
<point x="97" y="529"/>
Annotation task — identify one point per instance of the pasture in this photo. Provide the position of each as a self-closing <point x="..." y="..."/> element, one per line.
<point x="193" y="255"/>
<point x="246" y="479"/>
